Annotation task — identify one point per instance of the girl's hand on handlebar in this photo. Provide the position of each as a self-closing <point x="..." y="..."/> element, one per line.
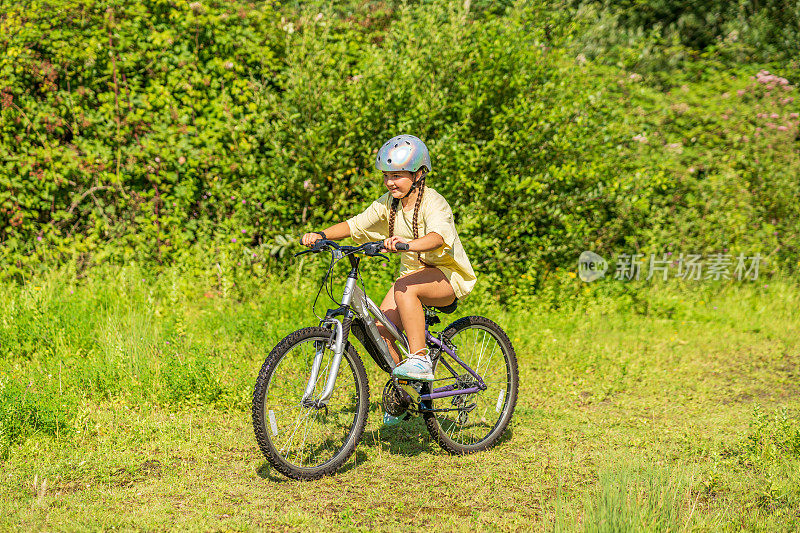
<point x="310" y="238"/>
<point x="391" y="243"/>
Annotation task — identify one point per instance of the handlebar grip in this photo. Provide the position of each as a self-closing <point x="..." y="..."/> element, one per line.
<point x="401" y="246"/>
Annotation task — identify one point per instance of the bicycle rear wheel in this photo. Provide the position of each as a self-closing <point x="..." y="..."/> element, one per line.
<point x="478" y="419"/>
<point x="301" y="439"/>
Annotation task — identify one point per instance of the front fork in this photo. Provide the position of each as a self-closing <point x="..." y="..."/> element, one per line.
<point x="341" y="330"/>
<point x="337" y="344"/>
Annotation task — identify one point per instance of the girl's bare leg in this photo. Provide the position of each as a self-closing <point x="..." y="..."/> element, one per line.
<point x="427" y="286"/>
<point x="389" y="308"/>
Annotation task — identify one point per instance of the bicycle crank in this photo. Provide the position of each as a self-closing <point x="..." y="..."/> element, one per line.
<point x="395" y="401"/>
<point x="412" y="388"/>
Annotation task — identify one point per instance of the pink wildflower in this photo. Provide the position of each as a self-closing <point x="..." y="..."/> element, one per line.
<point x="782" y="128"/>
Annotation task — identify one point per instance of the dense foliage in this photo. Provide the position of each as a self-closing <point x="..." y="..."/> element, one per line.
<point x="209" y="133"/>
<point x="741" y="30"/>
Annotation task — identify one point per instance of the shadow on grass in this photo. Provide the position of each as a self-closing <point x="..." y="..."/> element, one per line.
<point x="507" y="435"/>
<point x="267" y="473"/>
<point x="409" y="438"/>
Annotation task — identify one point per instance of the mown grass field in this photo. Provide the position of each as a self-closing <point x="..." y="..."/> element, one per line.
<point x="125" y="405"/>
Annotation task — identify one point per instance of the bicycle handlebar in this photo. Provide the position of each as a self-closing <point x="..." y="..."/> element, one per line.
<point x="370" y="249"/>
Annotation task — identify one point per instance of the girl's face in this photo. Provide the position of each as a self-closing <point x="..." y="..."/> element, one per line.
<point x="398" y="183"/>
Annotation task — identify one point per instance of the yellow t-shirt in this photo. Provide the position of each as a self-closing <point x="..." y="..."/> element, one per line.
<point x="434" y="215"/>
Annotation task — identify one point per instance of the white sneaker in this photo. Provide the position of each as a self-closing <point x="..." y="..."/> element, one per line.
<point x="417" y="367"/>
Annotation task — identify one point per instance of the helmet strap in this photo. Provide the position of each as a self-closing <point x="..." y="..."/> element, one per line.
<point x="415" y="185"/>
<point x="412" y="189"/>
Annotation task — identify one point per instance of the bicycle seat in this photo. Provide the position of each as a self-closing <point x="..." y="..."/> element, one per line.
<point x="446" y="309"/>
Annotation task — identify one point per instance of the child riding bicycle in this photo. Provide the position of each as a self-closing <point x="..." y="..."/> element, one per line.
<point x="435" y="270"/>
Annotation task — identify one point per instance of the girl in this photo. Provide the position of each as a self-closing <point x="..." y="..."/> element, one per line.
<point x="435" y="270"/>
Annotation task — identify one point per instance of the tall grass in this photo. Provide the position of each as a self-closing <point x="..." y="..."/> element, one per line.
<point x="177" y="341"/>
<point x="648" y="499"/>
<point x="641" y="395"/>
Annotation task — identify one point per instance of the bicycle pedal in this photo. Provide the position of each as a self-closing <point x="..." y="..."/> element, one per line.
<point x="412" y="388"/>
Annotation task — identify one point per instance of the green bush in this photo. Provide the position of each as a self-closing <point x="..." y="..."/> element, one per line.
<point x="744" y="30"/>
<point x="210" y="135"/>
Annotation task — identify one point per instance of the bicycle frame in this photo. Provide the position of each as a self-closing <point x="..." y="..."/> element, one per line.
<point x="356" y="305"/>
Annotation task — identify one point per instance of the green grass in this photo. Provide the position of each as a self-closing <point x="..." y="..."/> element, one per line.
<point x="650" y="409"/>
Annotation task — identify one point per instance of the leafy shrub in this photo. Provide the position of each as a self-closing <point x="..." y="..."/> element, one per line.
<point x="745" y="29"/>
<point x="211" y="134"/>
<point x="26" y="410"/>
<point x="771" y="438"/>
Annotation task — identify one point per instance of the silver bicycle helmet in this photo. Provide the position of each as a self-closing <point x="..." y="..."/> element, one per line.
<point x="403" y="152"/>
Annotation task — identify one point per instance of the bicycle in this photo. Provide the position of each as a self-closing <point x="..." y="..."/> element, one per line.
<point x="309" y="410"/>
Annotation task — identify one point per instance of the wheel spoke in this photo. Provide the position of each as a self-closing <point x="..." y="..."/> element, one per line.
<point x="488" y="363"/>
<point x="479" y="347"/>
<point x="294" y="430"/>
<point x="308" y="437"/>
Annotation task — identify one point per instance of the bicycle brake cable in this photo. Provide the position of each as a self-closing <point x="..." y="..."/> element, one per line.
<point x="323" y="284"/>
<point x="327" y="280"/>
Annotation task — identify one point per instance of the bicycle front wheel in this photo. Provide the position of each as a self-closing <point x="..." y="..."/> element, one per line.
<point x="304" y="439"/>
<point x="474" y="422"/>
